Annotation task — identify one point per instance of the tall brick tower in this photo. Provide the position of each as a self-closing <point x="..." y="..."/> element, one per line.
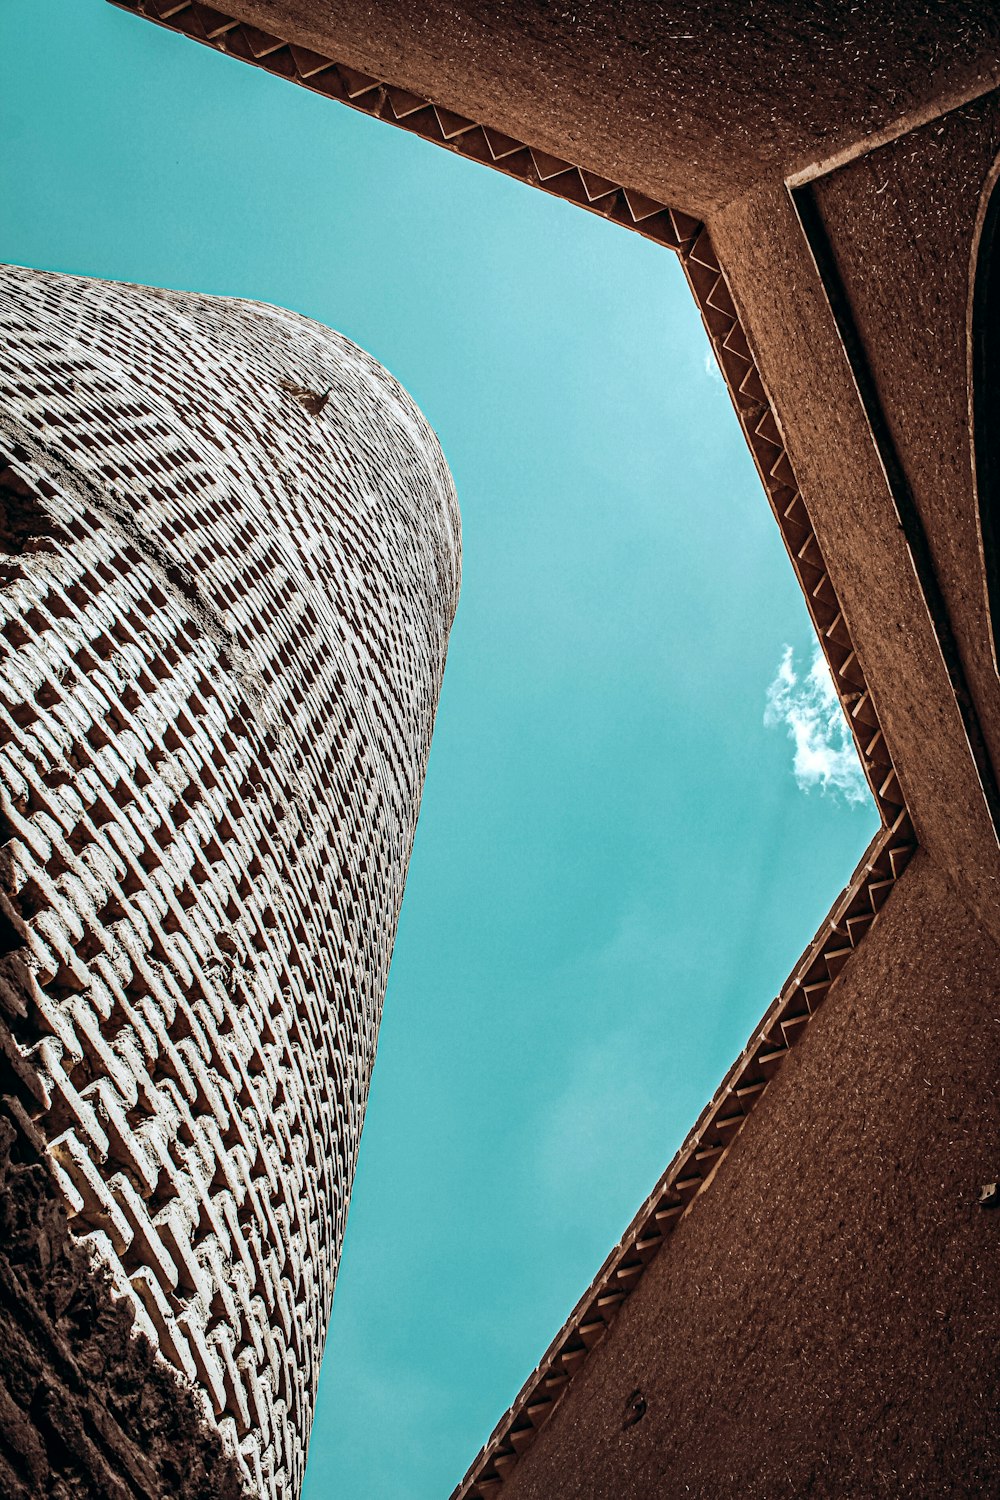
<point x="229" y="561"/>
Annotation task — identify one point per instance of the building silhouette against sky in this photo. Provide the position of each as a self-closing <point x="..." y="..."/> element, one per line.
<point x="229" y="562"/>
<point x="803" y="1304"/>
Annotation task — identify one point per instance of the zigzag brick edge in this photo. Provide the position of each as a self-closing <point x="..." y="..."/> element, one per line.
<point x="695" y="1164"/>
<point x="764" y="438"/>
<point x="373" y="96"/>
<point x="643" y="215"/>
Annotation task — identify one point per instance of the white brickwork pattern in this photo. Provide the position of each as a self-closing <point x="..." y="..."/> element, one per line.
<point x="225" y="619"/>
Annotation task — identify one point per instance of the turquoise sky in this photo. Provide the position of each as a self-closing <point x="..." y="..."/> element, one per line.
<point x="616" y="866"/>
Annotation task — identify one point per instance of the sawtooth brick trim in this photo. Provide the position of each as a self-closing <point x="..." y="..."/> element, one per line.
<point x="229" y="561"/>
<point x="373" y="96"/>
<point x="762" y="431"/>
<point x="643" y="215"/>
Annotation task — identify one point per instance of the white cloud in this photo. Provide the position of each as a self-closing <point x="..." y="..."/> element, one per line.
<point x="712" y="365"/>
<point x="824" y="750"/>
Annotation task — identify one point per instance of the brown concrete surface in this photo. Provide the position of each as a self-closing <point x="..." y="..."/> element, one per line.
<point x="691" y="87"/>
<point x="823" y="1322"/>
<point x="903" y="221"/>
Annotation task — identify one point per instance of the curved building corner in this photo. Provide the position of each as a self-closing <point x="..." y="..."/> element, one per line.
<point x="229" y="562"/>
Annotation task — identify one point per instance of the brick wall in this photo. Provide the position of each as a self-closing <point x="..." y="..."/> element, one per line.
<point x="225" y="606"/>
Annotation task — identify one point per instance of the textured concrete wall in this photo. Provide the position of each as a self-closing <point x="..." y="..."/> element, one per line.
<point x="225" y="610"/>
<point x="900" y="222"/>
<point x="903" y="222"/>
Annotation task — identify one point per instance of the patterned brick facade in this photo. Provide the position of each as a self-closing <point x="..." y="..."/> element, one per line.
<point x="229" y="560"/>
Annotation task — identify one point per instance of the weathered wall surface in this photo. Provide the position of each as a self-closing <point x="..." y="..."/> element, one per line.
<point x="903" y="224"/>
<point x="86" y="1409"/>
<point x="225" y="618"/>
<point x="821" y="1322"/>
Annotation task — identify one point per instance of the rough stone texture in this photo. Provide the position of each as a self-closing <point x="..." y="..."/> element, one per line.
<point x="904" y="220"/>
<point x="87" y="1409"/>
<point x="225" y="602"/>
<point x="822" y="1321"/>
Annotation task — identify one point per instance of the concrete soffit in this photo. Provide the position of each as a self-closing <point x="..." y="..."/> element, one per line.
<point x="857" y="908"/>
